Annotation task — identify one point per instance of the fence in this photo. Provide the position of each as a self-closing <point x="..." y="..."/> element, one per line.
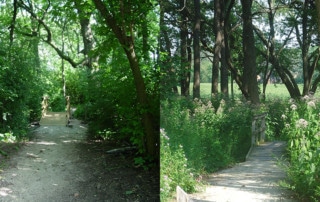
<point x="258" y="129"/>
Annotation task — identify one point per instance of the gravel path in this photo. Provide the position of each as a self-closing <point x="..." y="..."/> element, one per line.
<point x="59" y="165"/>
<point x="46" y="169"/>
<point x="254" y="180"/>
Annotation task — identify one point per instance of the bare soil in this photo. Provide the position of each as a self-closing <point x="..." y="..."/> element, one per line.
<point x="59" y="164"/>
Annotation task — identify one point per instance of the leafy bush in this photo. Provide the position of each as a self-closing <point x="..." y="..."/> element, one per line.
<point x="20" y="92"/>
<point x="174" y="169"/>
<point x="209" y="140"/>
<point x="274" y="121"/>
<point x="302" y="128"/>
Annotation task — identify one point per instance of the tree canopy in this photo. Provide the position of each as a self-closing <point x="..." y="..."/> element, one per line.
<point x="101" y="54"/>
<point x="283" y="35"/>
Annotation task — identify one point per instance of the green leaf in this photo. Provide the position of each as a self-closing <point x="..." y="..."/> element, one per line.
<point x="129" y="192"/>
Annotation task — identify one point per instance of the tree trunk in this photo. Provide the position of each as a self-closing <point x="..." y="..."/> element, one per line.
<point x="127" y="42"/>
<point x="86" y="33"/>
<point x="183" y="50"/>
<point x="224" y="70"/>
<point x="169" y="83"/>
<point x="147" y="120"/>
<point x="249" y="62"/>
<point x="305" y="49"/>
<point x="217" y="48"/>
<point x="196" y="50"/>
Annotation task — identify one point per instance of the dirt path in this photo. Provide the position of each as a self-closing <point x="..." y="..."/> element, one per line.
<point x="59" y="165"/>
<point x="254" y="180"/>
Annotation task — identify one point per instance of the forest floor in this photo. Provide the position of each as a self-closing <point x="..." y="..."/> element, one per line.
<point x="59" y="164"/>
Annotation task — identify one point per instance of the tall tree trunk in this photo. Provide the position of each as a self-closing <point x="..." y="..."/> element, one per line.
<point x="165" y="47"/>
<point x="189" y="56"/>
<point x="63" y="76"/>
<point x="147" y="119"/>
<point x="183" y="50"/>
<point x="249" y="63"/>
<point x="307" y="74"/>
<point x="127" y="42"/>
<point x="217" y="48"/>
<point x="224" y="70"/>
<point x="227" y="27"/>
<point x="196" y="50"/>
<point x="86" y="33"/>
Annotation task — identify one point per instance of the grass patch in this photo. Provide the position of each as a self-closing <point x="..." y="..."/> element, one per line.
<point x="272" y="91"/>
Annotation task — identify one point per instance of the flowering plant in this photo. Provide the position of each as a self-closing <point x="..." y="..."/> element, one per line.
<point x="302" y="128"/>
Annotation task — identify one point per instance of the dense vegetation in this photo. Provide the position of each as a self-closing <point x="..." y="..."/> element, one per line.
<point x="301" y="129"/>
<point x="211" y="137"/>
<point x="243" y="47"/>
<point x="70" y="48"/>
<point x="198" y="137"/>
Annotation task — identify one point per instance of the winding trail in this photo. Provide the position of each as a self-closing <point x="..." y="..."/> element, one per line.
<point x="255" y="180"/>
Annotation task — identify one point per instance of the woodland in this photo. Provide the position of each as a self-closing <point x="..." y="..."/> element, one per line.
<point x="243" y="45"/>
<point x="277" y="40"/>
<point x="100" y="53"/>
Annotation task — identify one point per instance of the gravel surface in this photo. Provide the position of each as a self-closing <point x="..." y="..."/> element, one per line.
<point x="60" y="165"/>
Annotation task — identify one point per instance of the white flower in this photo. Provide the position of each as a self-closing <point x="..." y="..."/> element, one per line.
<point x="301" y="123"/>
<point x="293" y="107"/>
<point x="163" y="133"/>
<point x="311" y="104"/>
<point x="291" y="101"/>
<point x="283" y="116"/>
<point x="306" y="97"/>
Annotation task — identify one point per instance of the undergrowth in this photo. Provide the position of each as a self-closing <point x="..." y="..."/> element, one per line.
<point x="202" y="139"/>
<point x="302" y="130"/>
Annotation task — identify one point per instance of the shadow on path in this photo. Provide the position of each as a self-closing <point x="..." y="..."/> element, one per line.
<point x="254" y="180"/>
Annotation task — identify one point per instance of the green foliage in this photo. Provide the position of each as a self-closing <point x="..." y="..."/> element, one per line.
<point x="7" y="138"/>
<point x="302" y="128"/>
<point x="20" y="94"/>
<point x="106" y="99"/>
<point x="209" y="140"/>
<point x="274" y="121"/>
<point x="174" y="169"/>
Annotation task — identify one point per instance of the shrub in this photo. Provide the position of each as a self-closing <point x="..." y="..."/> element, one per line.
<point x="303" y="132"/>
<point x="274" y="121"/>
<point x="205" y="139"/>
<point x="174" y="169"/>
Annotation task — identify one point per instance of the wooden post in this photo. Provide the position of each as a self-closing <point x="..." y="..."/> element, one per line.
<point x="263" y="128"/>
<point x="182" y="196"/>
<point x="258" y="128"/>
<point x="68" y="116"/>
<point x="44" y="105"/>
<point x="253" y="131"/>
